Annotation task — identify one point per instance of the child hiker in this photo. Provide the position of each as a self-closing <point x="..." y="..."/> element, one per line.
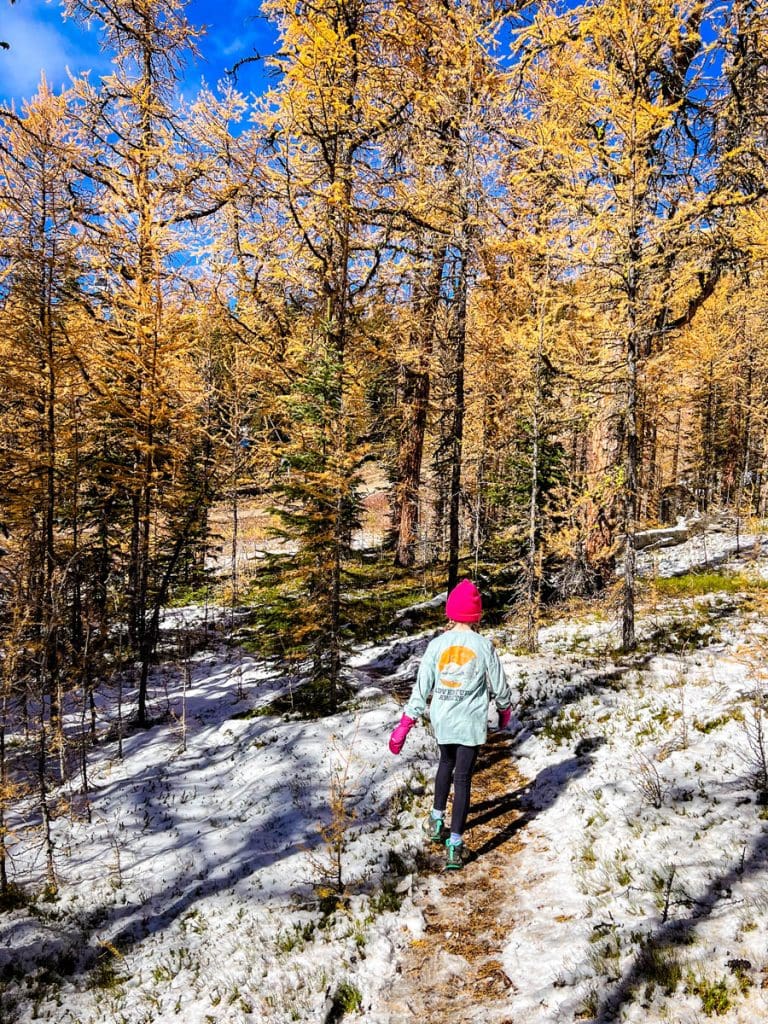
<point x="461" y="669"/>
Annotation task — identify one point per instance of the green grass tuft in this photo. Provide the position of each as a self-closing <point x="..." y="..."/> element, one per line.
<point x="567" y="724"/>
<point x="696" y="584"/>
<point x="295" y="938"/>
<point x="105" y="974"/>
<point x="658" y="966"/>
<point x="715" y="995"/>
<point x="347" y="999"/>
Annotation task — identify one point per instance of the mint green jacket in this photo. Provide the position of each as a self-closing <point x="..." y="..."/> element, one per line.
<point x="462" y="671"/>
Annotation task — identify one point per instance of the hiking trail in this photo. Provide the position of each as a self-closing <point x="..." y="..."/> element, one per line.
<point x="454" y="972"/>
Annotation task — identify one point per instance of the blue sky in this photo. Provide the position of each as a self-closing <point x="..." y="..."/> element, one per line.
<point x="41" y="40"/>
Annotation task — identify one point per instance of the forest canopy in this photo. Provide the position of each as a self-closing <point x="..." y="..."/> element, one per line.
<point x="509" y="256"/>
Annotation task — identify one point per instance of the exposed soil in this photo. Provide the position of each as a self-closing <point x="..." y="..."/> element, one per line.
<point x="454" y="974"/>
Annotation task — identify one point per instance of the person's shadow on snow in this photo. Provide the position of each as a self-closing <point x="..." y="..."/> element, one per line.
<point x="530" y="800"/>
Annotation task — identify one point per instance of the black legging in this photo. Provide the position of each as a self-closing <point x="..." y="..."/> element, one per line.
<point x="456" y="762"/>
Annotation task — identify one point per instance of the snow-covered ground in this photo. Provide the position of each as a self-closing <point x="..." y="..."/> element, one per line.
<point x="704" y="550"/>
<point x="200" y="889"/>
<point x="641" y="891"/>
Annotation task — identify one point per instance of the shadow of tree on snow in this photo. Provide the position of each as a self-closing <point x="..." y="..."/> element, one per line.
<point x="678" y="932"/>
<point x="530" y="800"/>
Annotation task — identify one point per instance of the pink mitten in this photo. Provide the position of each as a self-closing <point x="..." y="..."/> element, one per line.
<point x="504" y="717"/>
<point x="397" y="739"/>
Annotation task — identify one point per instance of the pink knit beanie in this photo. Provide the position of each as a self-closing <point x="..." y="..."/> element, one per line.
<point x="464" y="603"/>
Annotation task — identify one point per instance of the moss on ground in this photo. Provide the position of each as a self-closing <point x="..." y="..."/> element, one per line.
<point x="696" y="584"/>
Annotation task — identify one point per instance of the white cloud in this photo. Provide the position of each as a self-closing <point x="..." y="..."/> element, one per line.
<point x="40" y="42"/>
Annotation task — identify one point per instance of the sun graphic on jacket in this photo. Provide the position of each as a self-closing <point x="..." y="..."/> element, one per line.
<point x="452" y="663"/>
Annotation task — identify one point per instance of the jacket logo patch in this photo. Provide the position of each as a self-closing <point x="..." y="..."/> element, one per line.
<point x="452" y="663"/>
<point x="456" y="655"/>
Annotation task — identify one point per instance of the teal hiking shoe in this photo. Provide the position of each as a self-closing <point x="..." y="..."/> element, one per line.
<point x="434" y="829"/>
<point x="456" y="856"/>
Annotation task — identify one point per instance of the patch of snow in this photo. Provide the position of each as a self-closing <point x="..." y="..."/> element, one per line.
<point x="194" y="889"/>
<point x="194" y="892"/>
<point x="703" y="551"/>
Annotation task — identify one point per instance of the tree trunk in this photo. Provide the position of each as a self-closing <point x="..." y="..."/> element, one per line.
<point x="45" y="813"/>
<point x="707" y="454"/>
<point x="631" y="460"/>
<point x="76" y="617"/>
<point x="50" y="612"/>
<point x="630" y="496"/>
<point x="148" y="298"/>
<point x="4" y="794"/>
<point x="87" y="696"/>
<point x="457" y="341"/>
<point x="338" y="299"/>
<point x="134" y="573"/>
<point x="676" y="448"/>
<point x="415" y="403"/>
<point x="533" y="560"/>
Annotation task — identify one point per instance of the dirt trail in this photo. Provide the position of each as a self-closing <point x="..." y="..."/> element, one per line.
<point x="453" y="974"/>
